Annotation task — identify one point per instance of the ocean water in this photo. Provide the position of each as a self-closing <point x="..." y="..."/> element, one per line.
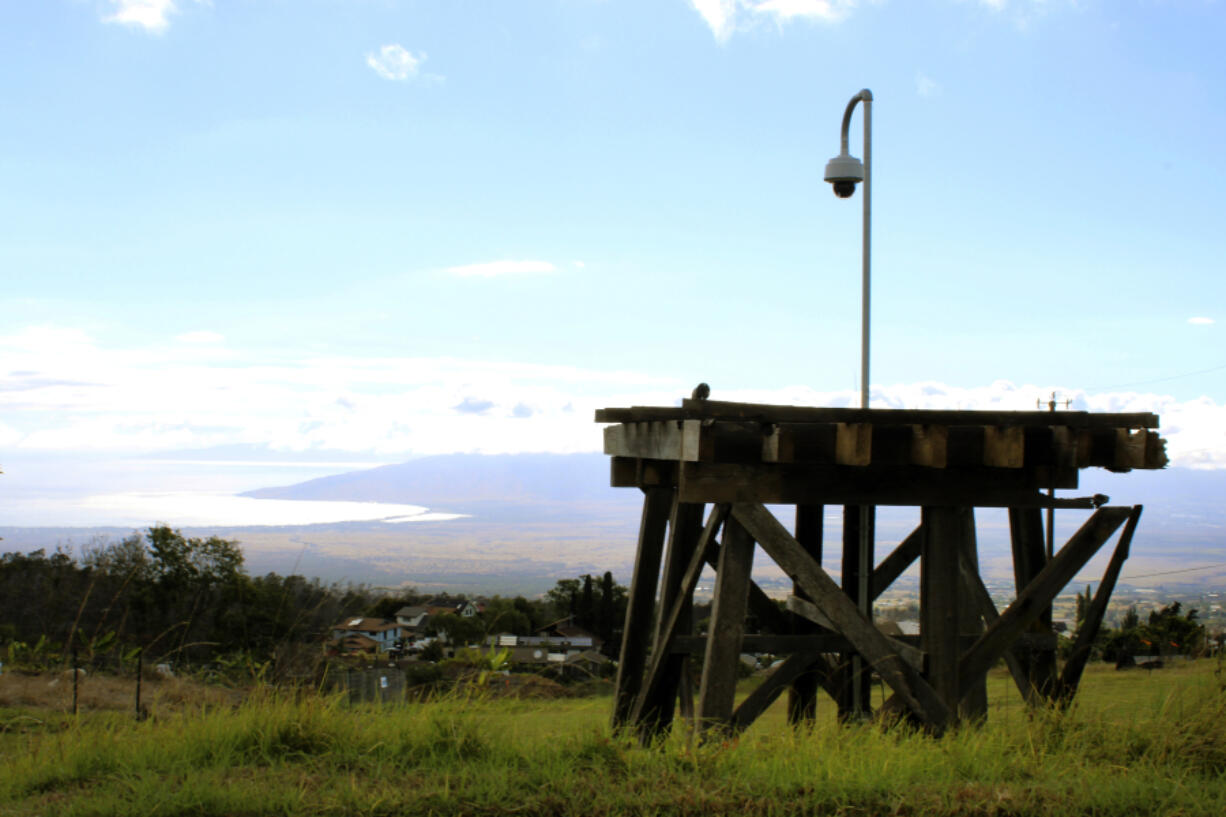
<point x="97" y="492"/>
<point x="191" y="509"/>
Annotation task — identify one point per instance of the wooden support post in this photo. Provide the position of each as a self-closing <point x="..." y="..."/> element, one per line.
<point x="641" y="603"/>
<point x="1029" y="557"/>
<point x="974" y="698"/>
<point x="802" y="694"/>
<point x="854" y="701"/>
<point x="685" y="527"/>
<point x="656" y="677"/>
<point x="1071" y="677"/>
<point x="719" y="670"/>
<point x="908" y="684"/>
<point x="939" y="600"/>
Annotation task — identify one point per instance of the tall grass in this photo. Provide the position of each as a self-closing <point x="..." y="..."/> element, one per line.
<point x="1135" y="744"/>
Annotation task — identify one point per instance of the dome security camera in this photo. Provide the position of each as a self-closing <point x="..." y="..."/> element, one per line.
<point x="844" y="172"/>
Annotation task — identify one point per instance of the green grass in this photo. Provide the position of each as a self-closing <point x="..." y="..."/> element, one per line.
<point x="1137" y="743"/>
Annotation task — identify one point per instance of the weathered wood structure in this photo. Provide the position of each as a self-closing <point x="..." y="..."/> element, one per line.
<point x="728" y="461"/>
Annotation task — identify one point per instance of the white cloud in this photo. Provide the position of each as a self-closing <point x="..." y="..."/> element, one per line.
<point x="200" y="336"/>
<point x="62" y="391"/>
<point x="493" y="269"/>
<point x="151" y="15"/>
<point x="724" y="17"/>
<point x="1200" y="321"/>
<point x="926" y="86"/>
<point x="396" y="63"/>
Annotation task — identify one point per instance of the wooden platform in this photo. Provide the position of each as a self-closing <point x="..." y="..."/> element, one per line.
<point x="738" y="457"/>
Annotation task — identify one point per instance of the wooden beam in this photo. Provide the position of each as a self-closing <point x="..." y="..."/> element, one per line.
<point x="653" y="710"/>
<point x="868" y="641"/>
<point x="1039" y="593"/>
<point x="1080" y="653"/>
<point x="1029" y="556"/>
<point x="939" y="600"/>
<point x="719" y="670"/>
<point x="717" y="409"/>
<point x="894" y="565"/>
<point x="781" y="678"/>
<point x="802" y="693"/>
<point x="973" y="703"/>
<point x="673" y="619"/>
<point x="796" y="484"/>
<point x="656" y="440"/>
<point x="641" y="603"/>
<point x="830" y="642"/>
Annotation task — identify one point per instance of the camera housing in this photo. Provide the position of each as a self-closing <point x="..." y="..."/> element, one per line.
<point x="844" y="188"/>
<point x="844" y="172"/>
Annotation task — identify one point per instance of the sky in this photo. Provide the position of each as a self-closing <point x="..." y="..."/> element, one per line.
<point x="317" y="235"/>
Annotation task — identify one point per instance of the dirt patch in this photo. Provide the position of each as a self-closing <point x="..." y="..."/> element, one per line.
<point x="53" y="692"/>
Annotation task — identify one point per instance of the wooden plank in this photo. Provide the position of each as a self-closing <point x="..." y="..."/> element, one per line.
<point x="782" y="677"/>
<point x="639" y="414"/>
<point x="853" y="444"/>
<point x="1039" y="593"/>
<point x="629" y="472"/>
<point x="928" y="444"/>
<point x="653" y="711"/>
<point x="719" y="670"/>
<point x="658" y="440"/>
<point x="1004" y="446"/>
<point x="674" y="618"/>
<point x="894" y="565"/>
<point x="915" y="692"/>
<point x="802" y="692"/>
<point x="1070" y="678"/>
<point x="939" y="600"/>
<point x="792" y="484"/>
<point x="800" y="442"/>
<point x="641" y="602"/>
<point x="821" y="414"/>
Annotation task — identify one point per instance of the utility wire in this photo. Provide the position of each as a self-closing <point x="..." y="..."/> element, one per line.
<point x="1158" y="379"/>
<point x="1169" y="572"/>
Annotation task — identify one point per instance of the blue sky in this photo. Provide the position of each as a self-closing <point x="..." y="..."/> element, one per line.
<point x="378" y="229"/>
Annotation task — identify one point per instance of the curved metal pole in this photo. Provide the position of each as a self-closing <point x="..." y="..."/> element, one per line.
<point x="865" y="96"/>
<point x="864" y="560"/>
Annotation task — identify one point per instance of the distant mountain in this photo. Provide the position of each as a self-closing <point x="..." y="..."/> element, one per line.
<point x="457" y="482"/>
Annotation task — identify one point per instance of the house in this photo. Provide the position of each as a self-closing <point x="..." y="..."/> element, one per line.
<point x="381" y="632"/>
<point x="413" y="619"/>
<point x="563" y="631"/>
<point x="460" y="607"/>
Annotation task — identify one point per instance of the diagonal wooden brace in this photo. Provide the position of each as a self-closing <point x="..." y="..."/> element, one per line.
<point x="871" y="644"/>
<point x="1039" y="593"/>
<point x="985" y="609"/>
<point x="897" y="562"/>
<point x="764" y="695"/>
<point x="1071" y="677"/>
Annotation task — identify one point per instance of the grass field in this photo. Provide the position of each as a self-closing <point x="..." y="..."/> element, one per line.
<point x="1137" y="743"/>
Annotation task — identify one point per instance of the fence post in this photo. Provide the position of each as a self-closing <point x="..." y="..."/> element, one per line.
<point x="139" y="660"/>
